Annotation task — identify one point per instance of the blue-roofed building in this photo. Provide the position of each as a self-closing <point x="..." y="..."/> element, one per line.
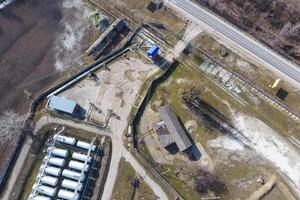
<point x="153" y="51"/>
<point x="62" y="104"/>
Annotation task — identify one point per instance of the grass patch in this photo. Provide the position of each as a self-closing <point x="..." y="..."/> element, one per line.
<point x="32" y="178"/>
<point x="123" y="189"/>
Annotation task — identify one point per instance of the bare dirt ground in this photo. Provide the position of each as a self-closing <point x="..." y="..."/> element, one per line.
<point x="159" y="153"/>
<point x="37" y="38"/>
<point x="274" y="23"/>
<point x="115" y="81"/>
<point x="266" y="143"/>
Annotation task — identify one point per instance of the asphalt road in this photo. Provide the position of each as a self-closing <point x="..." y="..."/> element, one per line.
<point x="264" y="53"/>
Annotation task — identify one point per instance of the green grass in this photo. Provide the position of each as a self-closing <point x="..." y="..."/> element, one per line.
<point x="170" y="92"/>
<point x="32" y="178"/>
<point x="123" y="189"/>
<point x="180" y="186"/>
<point x="258" y="74"/>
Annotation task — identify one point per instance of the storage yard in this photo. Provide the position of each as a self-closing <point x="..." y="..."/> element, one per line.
<point x="159" y="115"/>
<point x="67" y="168"/>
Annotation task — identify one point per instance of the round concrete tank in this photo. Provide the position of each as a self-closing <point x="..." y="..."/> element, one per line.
<point x="49" y="180"/>
<point x="57" y="161"/>
<point x="65" y="139"/>
<point x="78" y="165"/>
<point x="73" y="175"/>
<point x="58" y="152"/>
<point x="81" y="157"/>
<point x="65" y="194"/>
<point x="73" y="185"/>
<point x="85" y="145"/>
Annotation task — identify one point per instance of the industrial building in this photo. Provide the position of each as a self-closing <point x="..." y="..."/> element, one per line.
<point x="106" y="38"/>
<point x="170" y="131"/>
<point x="65" y="170"/>
<point x="62" y="105"/>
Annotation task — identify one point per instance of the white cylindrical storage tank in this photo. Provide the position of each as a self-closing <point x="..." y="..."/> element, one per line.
<point x="65" y="139"/>
<point x="85" y="145"/>
<point x="42" y="167"/>
<point x="34" y="186"/>
<point x="49" y="180"/>
<point x="46" y="190"/>
<point x="58" y="152"/>
<point x="65" y="194"/>
<point x="54" y="171"/>
<point x="78" y="165"/>
<point x="57" y="161"/>
<point x="81" y="157"/>
<point x="46" y="158"/>
<point x="73" y="185"/>
<point x="39" y="197"/>
<point x="73" y="175"/>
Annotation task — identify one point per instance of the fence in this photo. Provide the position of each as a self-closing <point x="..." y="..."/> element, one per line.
<point x="149" y="167"/>
<point x="28" y="125"/>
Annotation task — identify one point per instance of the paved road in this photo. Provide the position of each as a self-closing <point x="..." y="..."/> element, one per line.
<point x="265" y="54"/>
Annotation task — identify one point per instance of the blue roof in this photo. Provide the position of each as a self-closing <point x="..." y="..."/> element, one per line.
<point x="61" y="104"/>
<point x="153" y="50"/>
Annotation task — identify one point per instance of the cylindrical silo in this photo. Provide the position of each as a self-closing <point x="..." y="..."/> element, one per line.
<point x="65" y="139"/>
<point x="85" y="145"/>
<point x="56" y="161"/>
<point x="58" y="152"/>
<point x="54" y="171"/>
<point x="78" y="165"/>
<point x="49" y="180"/>
<point x="73" y="185"/>
<point x="81" y="157"/>
<point x="46" y="190"/>
<point x="68" y="195"/>
<point x="73" y="175"/>
<point x="39" y="197"/>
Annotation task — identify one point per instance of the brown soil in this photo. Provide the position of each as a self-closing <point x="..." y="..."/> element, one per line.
<point x="275" y="23"/>
<point x="27" y="34"/>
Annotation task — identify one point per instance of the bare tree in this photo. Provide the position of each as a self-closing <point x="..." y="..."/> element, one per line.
<point x="11" y="125"/>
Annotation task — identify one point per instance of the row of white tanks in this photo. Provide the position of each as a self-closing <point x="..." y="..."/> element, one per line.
<point x="55" y="160"/>
<point x="73" y="142"/>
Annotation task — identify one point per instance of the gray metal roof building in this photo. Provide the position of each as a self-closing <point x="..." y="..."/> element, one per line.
<point x="171" y="131"/>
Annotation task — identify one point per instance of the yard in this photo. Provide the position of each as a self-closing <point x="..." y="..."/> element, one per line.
<point x="123" y="190"/>
<point x="241" y="166"/>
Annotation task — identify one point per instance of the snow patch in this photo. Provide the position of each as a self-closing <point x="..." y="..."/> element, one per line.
<point x="226" y="142"/>
<point x="75" y="25"/>
<point x="268" y="144"/>
<point x="272" y="147"/>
